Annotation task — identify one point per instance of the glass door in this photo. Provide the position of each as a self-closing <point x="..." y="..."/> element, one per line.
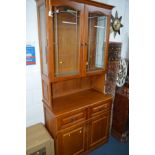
<point x="67" y="38"/>
<point x="97" y="39"/>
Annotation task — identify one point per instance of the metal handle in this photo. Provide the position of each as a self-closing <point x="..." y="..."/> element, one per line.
<point x="61" y="62"/>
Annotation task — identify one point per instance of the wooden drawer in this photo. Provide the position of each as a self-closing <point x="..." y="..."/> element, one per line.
<point x="71" y="118"/>
<point x="99" y="108"/>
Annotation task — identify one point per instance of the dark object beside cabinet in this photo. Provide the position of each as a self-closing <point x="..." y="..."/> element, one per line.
<point x="120" y="124"/>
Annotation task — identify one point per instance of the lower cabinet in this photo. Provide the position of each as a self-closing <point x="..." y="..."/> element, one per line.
<point x="84" y="137"/>
<point x="98" y="130"/>
<point x="80" y="131"/>
<point x="72" y="141"/>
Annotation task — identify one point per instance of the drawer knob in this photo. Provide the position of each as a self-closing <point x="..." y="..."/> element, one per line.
<point x="80" y="131"/>
<point x="72" y="119"/>
<point x="69" y="134"/>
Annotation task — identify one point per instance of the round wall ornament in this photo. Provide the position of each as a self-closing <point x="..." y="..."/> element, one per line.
<point x="122" y="73"/>
<point x="116" y="24"/>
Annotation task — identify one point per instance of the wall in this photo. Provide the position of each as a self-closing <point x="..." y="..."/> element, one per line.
<point x="34" y="106"/>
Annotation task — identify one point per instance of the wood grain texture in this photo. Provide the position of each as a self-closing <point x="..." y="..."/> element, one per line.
<point x="98" y="130"/>
<point x="71" y="86"/>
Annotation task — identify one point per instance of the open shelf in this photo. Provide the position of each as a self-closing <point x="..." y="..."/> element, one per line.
<point x="78" y="100"/>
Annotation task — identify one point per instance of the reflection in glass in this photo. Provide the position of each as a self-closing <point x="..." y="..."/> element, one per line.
<point x="43" y="39"/>
<point x="66" y="41"/>
<point x="96" y="40"/>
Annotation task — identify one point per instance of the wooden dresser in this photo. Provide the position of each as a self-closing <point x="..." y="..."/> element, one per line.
<point x="74" y="39"/>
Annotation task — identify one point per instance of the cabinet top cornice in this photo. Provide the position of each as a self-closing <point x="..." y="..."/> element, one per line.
<point x="91" y="2"/>
<point x="95" y="3"/>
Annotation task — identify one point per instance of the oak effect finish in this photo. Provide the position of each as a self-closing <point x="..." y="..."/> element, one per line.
<point x="77" y="111"/>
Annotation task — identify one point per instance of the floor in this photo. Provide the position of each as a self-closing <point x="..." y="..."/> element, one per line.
<point x="113" y="147"/>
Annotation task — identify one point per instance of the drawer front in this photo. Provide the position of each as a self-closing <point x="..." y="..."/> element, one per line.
<point x="71" y="119"/>
<point x="100" y="108"/>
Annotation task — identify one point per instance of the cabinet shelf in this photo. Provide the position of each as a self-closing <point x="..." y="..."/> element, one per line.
<point x="78" y="100"/>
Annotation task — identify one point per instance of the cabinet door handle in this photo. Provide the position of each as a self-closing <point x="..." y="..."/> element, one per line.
<point x="61" y="62"/>
<point x="81" y="44"/>
<point x="80" y="131"/>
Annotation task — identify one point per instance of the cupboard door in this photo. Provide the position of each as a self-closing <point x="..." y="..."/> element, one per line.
<point x="98" y="130"/>
<point x="97" y="36"/>
<point x="67" y="38"/>
<point x="71" y="142"/>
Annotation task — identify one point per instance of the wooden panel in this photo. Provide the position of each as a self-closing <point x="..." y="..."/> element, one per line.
<point x="72" y="141"/>
<point x="98" y="130"/>
<point x="71" y="118"/>
<point x="47" y="94"/>
<point x="70" y="86"/>
<point x="98" y="4"/>
<point x="45" y="91"/>
<point x="99" y="83"/>
<point x="50" y="122"/>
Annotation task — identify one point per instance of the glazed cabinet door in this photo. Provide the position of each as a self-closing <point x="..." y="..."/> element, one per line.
<point x="72" y="142"/>
<point x="42" y="23"/>
<point x="97" y="21"/>
<point x="98" y="130"/>
<point x="66" y="23"/>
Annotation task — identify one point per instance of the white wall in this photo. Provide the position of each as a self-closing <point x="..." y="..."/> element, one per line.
<point x="34" y="106"/>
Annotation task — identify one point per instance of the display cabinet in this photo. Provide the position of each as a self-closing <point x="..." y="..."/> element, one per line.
<point x="74" y="38"/>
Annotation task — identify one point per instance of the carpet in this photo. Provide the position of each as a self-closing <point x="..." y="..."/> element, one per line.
<point x="113" y="147"/>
